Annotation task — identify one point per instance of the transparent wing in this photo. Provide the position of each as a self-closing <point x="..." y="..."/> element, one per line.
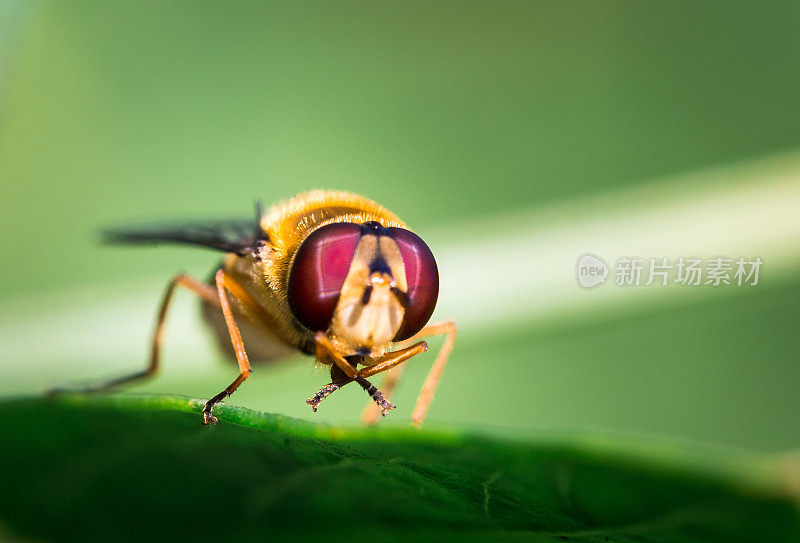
<point x="230" y="236"/>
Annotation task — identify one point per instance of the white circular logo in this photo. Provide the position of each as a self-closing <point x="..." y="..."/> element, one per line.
<point x="591" y="271"/>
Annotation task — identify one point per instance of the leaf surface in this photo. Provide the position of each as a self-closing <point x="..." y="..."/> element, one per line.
<point x="143" y="468"/>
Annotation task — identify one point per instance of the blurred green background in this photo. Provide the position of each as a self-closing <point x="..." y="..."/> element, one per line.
<point x="513" y="137"/>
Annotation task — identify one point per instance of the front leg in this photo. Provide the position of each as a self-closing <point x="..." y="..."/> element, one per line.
<point x="327" y="354"/>
<point x="386" y="362"/>
<point x="321" y="394"/>
<point x="338" y="380"/>
<point x="377" y="396"/>
<point x="446" y="328"/>
<point x="342" y="373"/>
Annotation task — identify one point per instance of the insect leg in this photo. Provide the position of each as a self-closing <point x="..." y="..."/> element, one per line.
<point x="377" y="396"/>
<point x="394" y="358"/>
<point x="204" y="291"/>
<point x="326" y="353"/>
<point x="342" y="372"/>
<point x="370" y="413"/>
<point x="321" y="394"/>
<point x="338" y="380"/>
<point x="226" y="282"/>
<point x="448" y="328"/>
<point x="388" y="361"/>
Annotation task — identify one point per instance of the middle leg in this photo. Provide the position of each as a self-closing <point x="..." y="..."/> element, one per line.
<point x="225" y="283"/>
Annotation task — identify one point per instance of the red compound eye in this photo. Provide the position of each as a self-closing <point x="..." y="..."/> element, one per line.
<point x="422" y="277"/>
<point x="318" y="273"/>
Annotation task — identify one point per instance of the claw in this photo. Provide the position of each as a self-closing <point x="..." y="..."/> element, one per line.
<point x="313" y="402"/>
<point x="383" y="404"/>
<point x="208" y="417"/>
<point x="321" y="394"/>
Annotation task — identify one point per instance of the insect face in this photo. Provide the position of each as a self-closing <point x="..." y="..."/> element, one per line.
<point x="365" y="285"/>
<point x="371" y="303"/>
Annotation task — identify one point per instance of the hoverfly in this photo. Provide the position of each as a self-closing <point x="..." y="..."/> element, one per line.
<point x="331" y="274"/>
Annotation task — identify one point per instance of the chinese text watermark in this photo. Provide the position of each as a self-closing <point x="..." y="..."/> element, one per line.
<point x="633" y="272"/>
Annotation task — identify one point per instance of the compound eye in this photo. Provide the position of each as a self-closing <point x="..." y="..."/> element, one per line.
<point x="318" y="273"/>
<point x="422" y="277"/>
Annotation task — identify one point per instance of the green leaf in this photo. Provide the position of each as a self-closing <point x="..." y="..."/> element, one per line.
<point x="138" y="468"/>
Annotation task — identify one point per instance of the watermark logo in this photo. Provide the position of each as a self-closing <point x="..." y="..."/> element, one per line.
<point x="591" y="271"/>
<point x="691" y="272"/>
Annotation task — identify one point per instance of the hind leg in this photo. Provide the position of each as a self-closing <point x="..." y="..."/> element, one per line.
<point x="203" y="290"/>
